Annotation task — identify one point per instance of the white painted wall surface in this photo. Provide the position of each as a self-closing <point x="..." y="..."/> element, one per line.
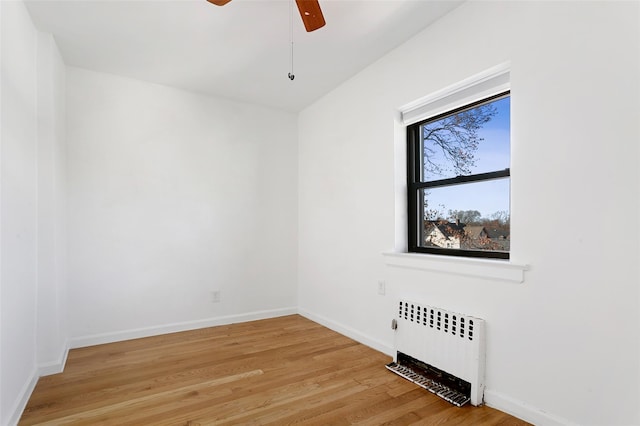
<point x="32" y="326"/>
<point x="173" y="195"/>
<point x="18" y="198"/>
<point x="563" y="347"/>
<point x="52" y="279"/>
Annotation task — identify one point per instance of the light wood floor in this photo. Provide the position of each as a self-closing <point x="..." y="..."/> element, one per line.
<point x="279" y="371"/>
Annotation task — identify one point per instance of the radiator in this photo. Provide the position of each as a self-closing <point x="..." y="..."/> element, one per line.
<point x="441" y="351"/>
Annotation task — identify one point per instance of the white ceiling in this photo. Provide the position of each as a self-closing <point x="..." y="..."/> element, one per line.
<point x="239" y="51"/>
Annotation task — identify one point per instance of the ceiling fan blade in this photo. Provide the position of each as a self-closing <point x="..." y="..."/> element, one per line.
<point x="311" y="14"/>
<point x="219" y="2"/>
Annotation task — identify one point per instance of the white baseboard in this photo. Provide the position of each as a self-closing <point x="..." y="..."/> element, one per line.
<point x="44" y="369"/>
<point x="117" y="336"/>
<point x="55" y="367"/>
<point x="523" y="410"/>
<point x="349" y="332"/>
<point x="25" y="394"/>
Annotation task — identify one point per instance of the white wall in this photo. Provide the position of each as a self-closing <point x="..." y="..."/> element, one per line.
<point x="32" y="334"/>
<point x="563" y="346"/>
<point x="18" y="197"/>
<point x="173" y="195"/>
<point x="52" y="244"/>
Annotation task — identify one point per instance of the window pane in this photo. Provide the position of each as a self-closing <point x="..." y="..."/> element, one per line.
<point x="470" y="216"/>
<point x="469" y="142"/>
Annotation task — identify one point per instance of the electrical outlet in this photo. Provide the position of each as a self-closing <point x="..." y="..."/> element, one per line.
<point x="215" y="296"/>
<point x="381" y="287"/>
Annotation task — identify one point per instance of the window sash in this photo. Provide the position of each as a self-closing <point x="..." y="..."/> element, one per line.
<point x="415" y="184"/>
<point x="461" y="179"/>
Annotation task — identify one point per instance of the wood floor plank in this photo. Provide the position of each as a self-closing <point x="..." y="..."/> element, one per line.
<point x="286" y="370"/>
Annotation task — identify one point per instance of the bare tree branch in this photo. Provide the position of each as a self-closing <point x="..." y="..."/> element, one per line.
<point x="456" y="138"/>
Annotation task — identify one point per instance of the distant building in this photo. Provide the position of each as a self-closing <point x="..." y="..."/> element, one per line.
<point x="457" y="235"/>
<point x="475" y="232"/>
<point x="444" y="234"/>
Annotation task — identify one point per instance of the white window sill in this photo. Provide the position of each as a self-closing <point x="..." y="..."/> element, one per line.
<point x="498" y="270"/>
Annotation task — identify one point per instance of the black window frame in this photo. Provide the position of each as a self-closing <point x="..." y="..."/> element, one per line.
<point x="415" y="185"/>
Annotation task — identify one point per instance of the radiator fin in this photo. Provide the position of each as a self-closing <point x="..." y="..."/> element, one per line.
<point x="453" y="396"/>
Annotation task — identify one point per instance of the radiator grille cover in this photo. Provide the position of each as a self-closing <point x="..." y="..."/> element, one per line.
<point x="448" y="341"/>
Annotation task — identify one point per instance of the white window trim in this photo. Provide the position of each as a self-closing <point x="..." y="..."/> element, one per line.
<point x="490" y="82"/>
<point x="483" y="85"/>
<point x="491" y="269"/>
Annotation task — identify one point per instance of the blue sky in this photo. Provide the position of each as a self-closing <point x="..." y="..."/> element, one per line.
<point x="493" y="154"/>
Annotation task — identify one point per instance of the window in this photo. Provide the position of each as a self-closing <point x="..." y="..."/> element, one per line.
<point x="458" y="176"/>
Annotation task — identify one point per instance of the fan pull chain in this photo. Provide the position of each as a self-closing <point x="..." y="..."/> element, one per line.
<point x="290" y="75"/>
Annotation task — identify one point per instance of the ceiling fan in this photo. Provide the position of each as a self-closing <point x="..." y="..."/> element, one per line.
<point x="309" y="11"/>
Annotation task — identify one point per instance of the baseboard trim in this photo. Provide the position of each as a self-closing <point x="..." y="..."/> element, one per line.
<point x="348" y="331"/>
<point x="523" y="410"/>
<point x="25" y="394"/>
<point x="118" y="336"/>
<point x="55" y="367"/>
